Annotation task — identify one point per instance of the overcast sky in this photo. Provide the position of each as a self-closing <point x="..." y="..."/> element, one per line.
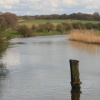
<point x="38" y="7"/>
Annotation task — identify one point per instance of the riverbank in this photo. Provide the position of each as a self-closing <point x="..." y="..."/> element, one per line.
<point x="10" y="33"/>
<point x="30" y="28"/>
<point x="87" y="36"/>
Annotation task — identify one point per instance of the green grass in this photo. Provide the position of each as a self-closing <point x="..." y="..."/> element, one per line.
<point x="13" y="33"/>
<point x="47" y="33"/>
<point x="9" y="33"/>
<point x="30" y="22"/>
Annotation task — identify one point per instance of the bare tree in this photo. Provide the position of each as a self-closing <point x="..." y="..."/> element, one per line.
<point x="11" y="19"/>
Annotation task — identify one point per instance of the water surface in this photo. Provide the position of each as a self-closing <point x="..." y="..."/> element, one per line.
<point x="39" y="69"/>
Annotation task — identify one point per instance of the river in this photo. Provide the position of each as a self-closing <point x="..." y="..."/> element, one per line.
<point x="39" y="69"/>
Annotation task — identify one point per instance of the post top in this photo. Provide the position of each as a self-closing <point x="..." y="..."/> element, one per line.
<point x="73" y="60"/>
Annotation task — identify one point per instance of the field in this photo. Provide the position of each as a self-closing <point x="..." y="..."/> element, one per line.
<point x="30" y="22"/>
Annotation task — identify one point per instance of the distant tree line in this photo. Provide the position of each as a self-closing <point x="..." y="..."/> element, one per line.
<point x="77" y="16"/>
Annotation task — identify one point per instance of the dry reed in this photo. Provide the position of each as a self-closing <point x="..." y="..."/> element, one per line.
<point x="88" y="36"/>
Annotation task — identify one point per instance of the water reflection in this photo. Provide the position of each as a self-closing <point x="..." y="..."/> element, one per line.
<point x="75" y="94"/>
<point x="91" y="48"/>
<point x="3" y="47"/>
<point x="3" y="70"/>
<point x="3" y="81"/>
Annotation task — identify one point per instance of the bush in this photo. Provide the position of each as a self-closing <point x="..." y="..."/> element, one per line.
<point x="34" y="28"/>
<point x="67" y="26"/>
<point x="60" y="28"/>
<point x="98" y="26"/>
<point x="78" y="25"/>
<point x="89" y="26"/>
<point x="41" y="28"/>
<point x="24" y="30"/>
<point x="48" y="26"/>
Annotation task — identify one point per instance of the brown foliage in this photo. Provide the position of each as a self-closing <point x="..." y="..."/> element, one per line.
<point x="2" y="23"/>
<point x="24" y="30"/>
<point x="49" y="26"/>
<point x="10" y="19"/>
<point x="88" y="36"/>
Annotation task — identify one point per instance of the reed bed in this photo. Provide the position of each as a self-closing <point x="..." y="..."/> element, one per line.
<point x="87" y="36"/>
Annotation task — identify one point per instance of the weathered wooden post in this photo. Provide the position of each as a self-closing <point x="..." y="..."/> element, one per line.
<point x="75" y="95"/>
<point x="74" y="70"/>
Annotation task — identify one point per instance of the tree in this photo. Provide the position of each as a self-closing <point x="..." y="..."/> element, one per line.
<point x="1" y="13"/>
<point x="2" y="23"/>
<point x="95" y="14"/>
<point x="63" y="16"/>
<point x="11" y="19"/>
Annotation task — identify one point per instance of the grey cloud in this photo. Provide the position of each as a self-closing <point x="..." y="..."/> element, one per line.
<point x="23" y="7"/>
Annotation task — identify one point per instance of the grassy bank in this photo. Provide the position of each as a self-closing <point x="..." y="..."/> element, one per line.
<point x="29" y="28"/>
<point x="8" y="34"/>
<point x="54" y="32"/>
<point x="87" y="36"/>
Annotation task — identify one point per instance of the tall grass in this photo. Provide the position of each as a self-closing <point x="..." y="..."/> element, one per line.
<point x="88" y="36"/>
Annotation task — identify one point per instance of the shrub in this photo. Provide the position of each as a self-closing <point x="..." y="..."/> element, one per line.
<point x="67" y="26"/>
<point x="34" y="28"/>
<point x="24" y="30"/>
<point x="98" y="26"/>
<point x="89" y="26"/>
<point x="41" y="28"/>
<point x="48" y="26"/>
<point x="78" y="25"/>
<point x="60" y="28"/>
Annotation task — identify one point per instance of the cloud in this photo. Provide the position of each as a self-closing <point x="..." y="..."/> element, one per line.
<point x="5" y="2"/>
<point x="33" y="7"/>
<point x="7" y="6"/>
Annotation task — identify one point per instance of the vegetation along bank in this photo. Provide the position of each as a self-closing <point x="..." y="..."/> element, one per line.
<point x="12" y="26"/>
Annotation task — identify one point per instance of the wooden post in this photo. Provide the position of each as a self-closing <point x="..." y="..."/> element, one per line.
<point x="75" y="94"/>
<point x="74" y="70"/>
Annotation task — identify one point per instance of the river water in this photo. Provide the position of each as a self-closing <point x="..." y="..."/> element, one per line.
<point x="39" y="69"/>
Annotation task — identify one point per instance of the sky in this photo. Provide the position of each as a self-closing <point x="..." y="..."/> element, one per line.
<point x="46" y="7"/>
